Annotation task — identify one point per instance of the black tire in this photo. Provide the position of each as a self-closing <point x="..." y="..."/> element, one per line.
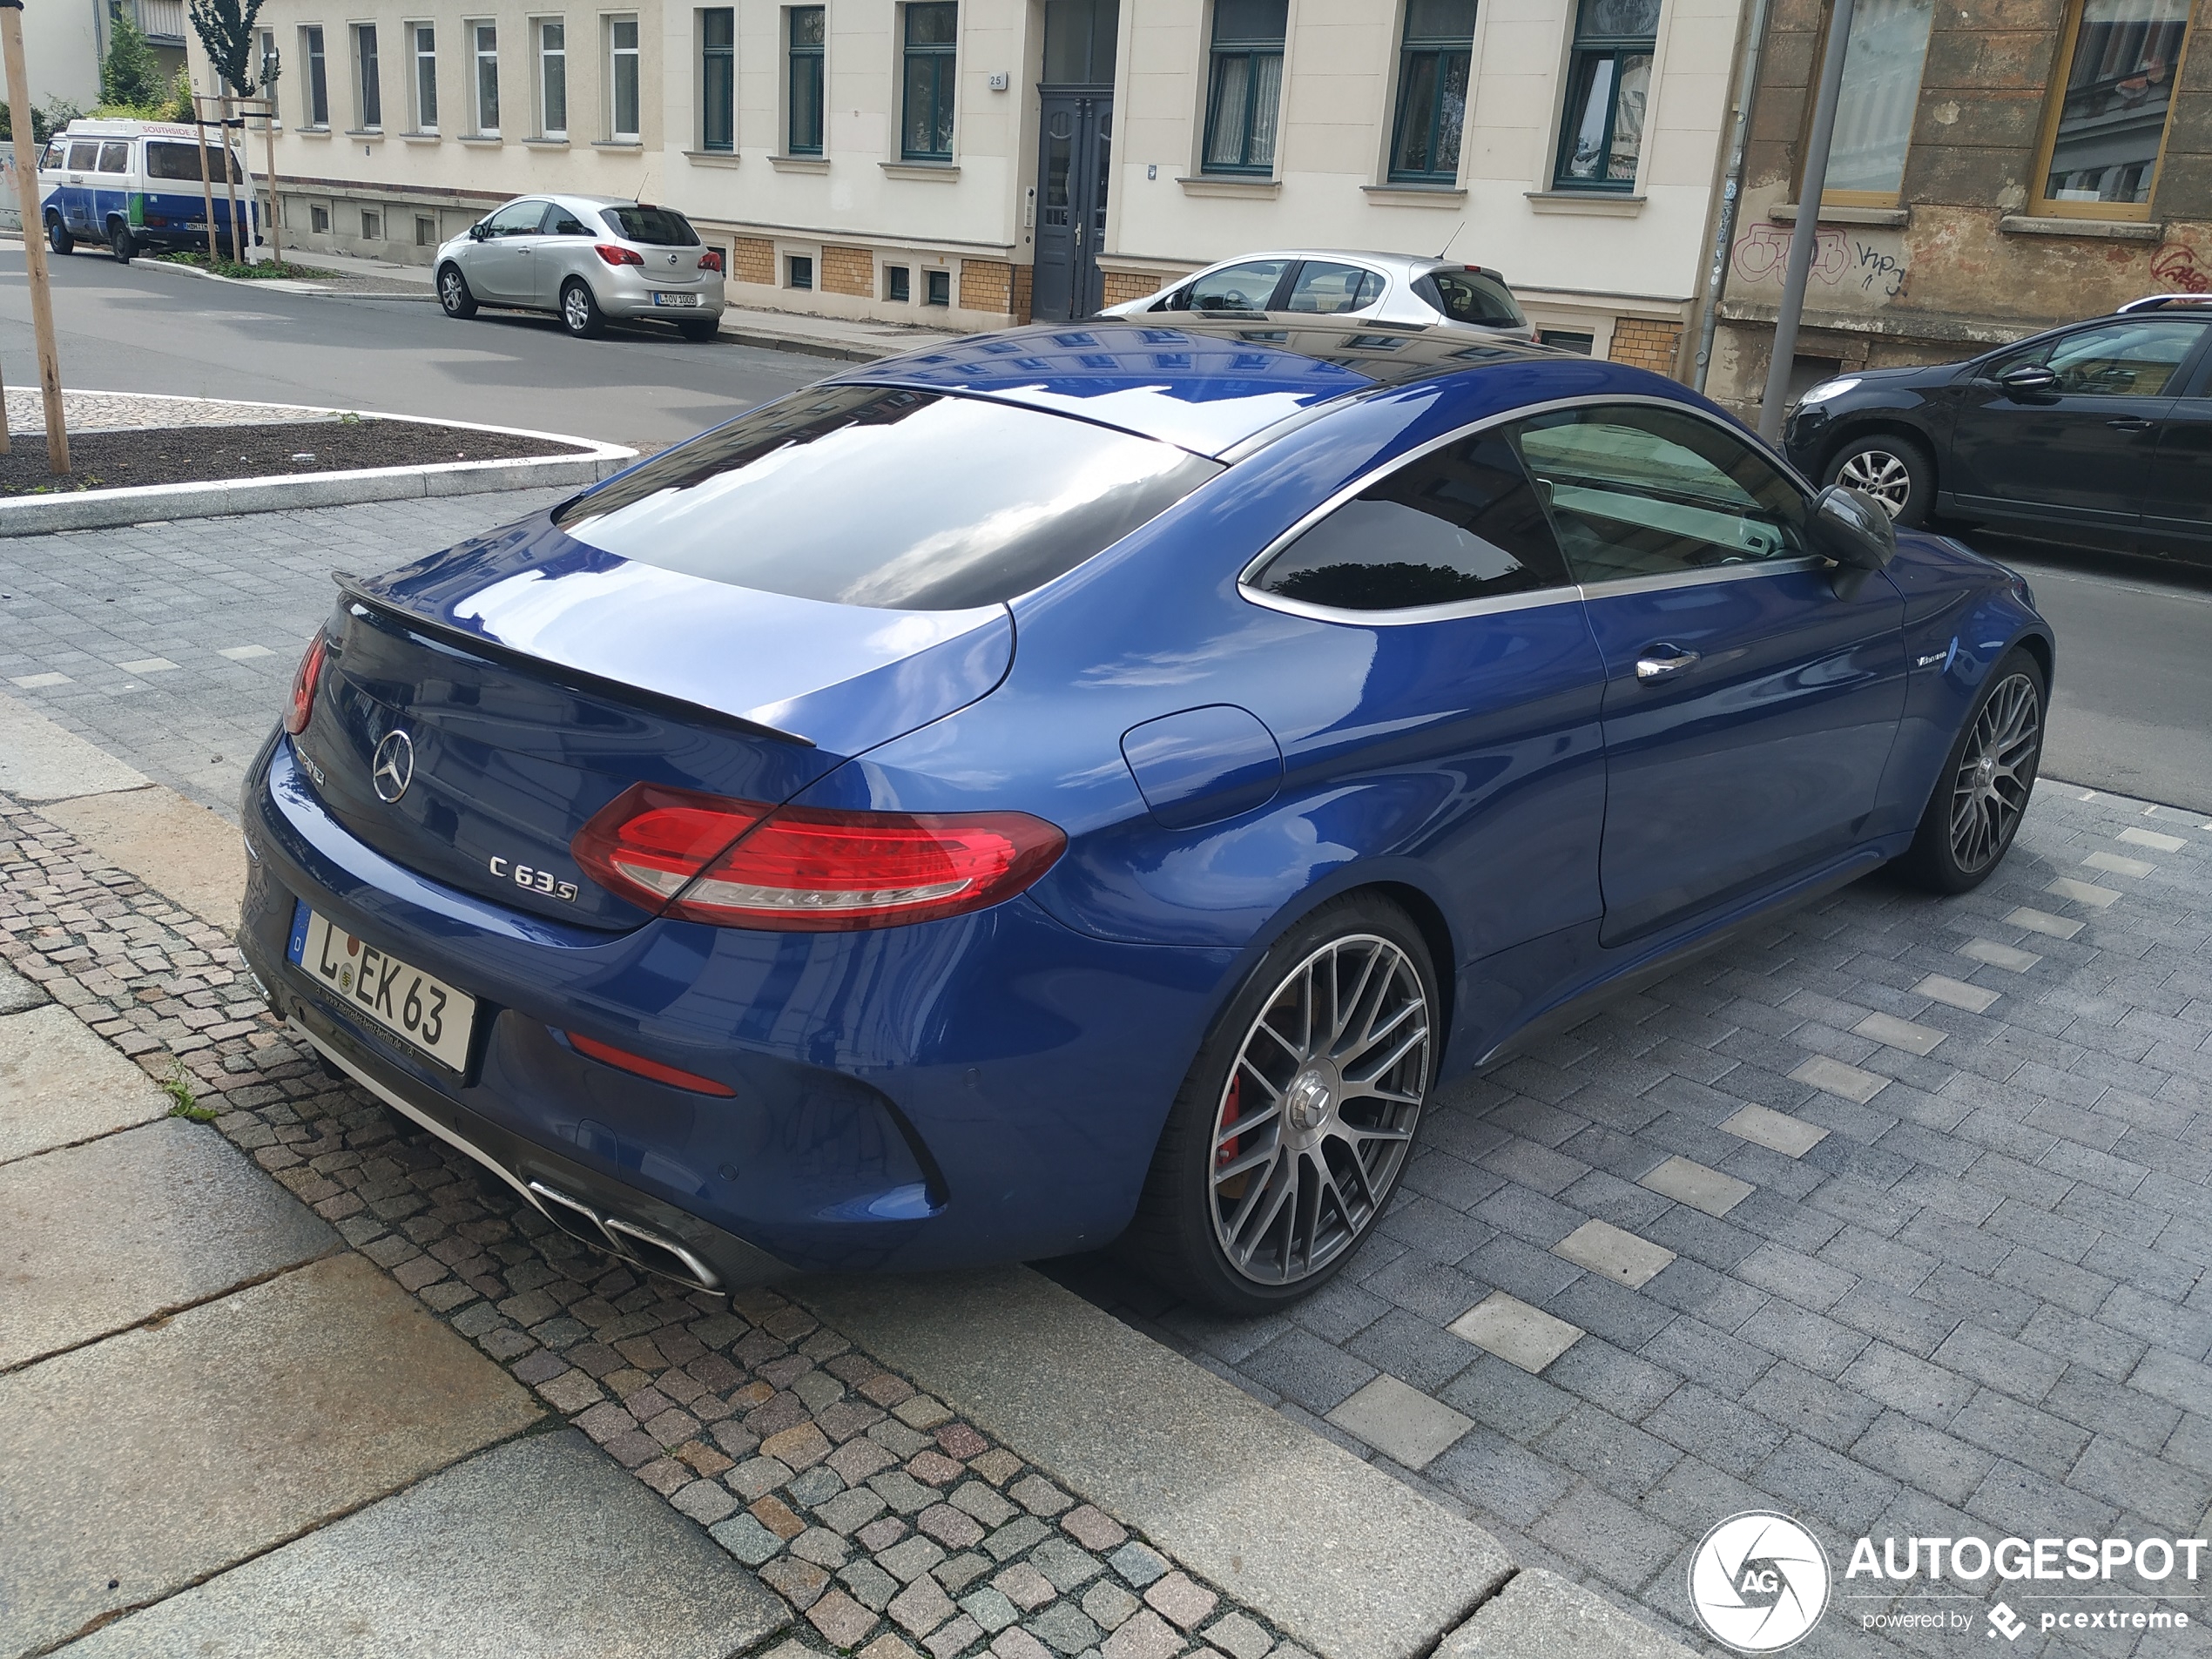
<point x="699" y="327"/>
<point x="121" y="243"/>
<point x="1196" y="1195"/>
<point x="57" y="236"/>
<point x="1982" y="793"/>
<point x="454" y="297"/>
<point x="580" y="313"/>
<point x="1894" y="469"/>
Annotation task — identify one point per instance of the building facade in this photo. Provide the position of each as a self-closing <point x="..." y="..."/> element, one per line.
<point x="1999" y="166"/>
<point x="972" y="162"/>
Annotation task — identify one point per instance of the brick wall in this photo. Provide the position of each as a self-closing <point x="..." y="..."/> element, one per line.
<point x="752" y="258"/>
<point x="1131" y="285"/>
<point x="985" y="285"/>
<point x="848" y="270"/>
<point x="1024" y="275"/>
<point x="1644" y="342"/>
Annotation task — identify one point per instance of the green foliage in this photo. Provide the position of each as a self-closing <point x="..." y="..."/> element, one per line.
<point x="131" y="73"/>
<point x="55" y="113"/>
<point x="266" y="270"/>
<point x="183" y="1102"/>
<point x="226" y="30"/>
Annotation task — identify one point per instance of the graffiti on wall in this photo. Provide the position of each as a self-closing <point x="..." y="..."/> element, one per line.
<point x="2179" y="268"/>
<point x="1838" y="259"/>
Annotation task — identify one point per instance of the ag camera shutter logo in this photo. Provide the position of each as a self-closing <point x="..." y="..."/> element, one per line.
<point x="1758" y="1582"/>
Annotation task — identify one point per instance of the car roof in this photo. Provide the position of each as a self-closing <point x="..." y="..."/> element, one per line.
<point x="1205" y="386"/>
<point x="1409" y="264"/>
<point x="117" y="126"/>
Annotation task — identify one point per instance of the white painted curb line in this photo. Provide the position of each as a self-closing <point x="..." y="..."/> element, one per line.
<point x="103" y="508"/>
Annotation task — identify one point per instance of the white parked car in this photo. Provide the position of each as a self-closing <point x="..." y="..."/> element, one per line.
<point x="1390" y="290"/>
<point x="585" y="259"/>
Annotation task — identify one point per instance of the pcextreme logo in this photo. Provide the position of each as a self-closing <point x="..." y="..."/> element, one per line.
<point x="1758" y="1582"/>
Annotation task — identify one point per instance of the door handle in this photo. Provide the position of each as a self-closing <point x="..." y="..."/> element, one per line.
<point x="1659" y="662"/>
<point x="2129" y="423"/>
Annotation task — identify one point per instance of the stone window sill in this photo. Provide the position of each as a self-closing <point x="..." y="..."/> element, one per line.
<point x="312" y="132"/>
<point x="799" y="163"/>
<point x="1223" y="184"/>
<point x="2111" y="230"/>
<point x="1881" y="218"/>
<point x="615" y="144"/>
<point x="374" y="134"/>
<point x="1604" y="204"/>
<point x="942" y="172"/>
<point x="420" y="138"/>
<point x="487" y="138"/>
<point x="712" y="158"/>
<point x="1403" y="195"/>
<point x="546" y="144"/>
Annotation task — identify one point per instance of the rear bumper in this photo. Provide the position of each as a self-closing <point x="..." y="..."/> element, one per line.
<point x="985" y="1089"/>
<point x="625" y="294"/>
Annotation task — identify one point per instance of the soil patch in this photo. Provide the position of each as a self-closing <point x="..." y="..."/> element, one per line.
<point x="210" y="453"/>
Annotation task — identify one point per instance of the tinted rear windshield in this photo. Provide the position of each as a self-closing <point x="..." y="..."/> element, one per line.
<point x="178" y="161"/>
<point x="654" y="227"/>
<point x="904" y="501"/>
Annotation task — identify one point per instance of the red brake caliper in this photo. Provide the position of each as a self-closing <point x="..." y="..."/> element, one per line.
<point x="1231" y="1109"/>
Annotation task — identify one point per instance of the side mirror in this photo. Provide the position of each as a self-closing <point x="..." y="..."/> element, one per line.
<point x="2028" y="381"/>
<point x="1853" y="530"/>
<point x="478" y="232"/>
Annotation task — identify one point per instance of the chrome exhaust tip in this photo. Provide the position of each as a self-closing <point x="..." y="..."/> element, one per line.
<point x="625" y="1240"/>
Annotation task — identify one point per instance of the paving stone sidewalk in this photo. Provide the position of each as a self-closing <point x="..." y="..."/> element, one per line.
<point x="889" y="1525"/>
<point x="1896" y="1216"/>
<point x="130" y="411"/>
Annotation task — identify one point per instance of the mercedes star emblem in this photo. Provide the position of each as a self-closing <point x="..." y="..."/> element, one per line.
<point x="394" y="767"/>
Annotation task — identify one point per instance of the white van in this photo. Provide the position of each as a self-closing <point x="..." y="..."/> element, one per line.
<point x="135" y="186"/>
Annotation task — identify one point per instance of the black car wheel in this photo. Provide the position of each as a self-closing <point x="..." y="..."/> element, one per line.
<point x="1892" y="468"/>
<point x="1288" y="1137"/>
<point x="122" y="243"/>
<point x="1983" y="792"/>
<point x="452" y="292"/>
<point x="57" y="236"/>
<point x="580" y="313"/>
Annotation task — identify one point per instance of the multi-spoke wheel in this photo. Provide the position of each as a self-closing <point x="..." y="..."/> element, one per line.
<point x="1891" y="469"/>
<point x="1978" y="803"/>
<point x="1297" y="1121"/>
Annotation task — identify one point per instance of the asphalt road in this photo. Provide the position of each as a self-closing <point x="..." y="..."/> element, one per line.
<point x="2134" y="678"/>
<point x="139" y="328"/>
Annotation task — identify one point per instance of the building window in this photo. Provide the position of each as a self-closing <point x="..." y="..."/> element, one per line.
<point x="1608" y="81"/>
<point x="265" y="57"/>
<point x="1573" y="339"/>
<point x="622" y="79"/>
<point x="2107" y="124"/>
<point x="552" y="77"/>
<point x="1432" y="90"/>
<point x="371" y="225"/>
<point x="798" y="270"/>
<point x="1080" y="42"/>
<point x="926" y="133"/>
<point x="370" y="84"/>
<point x="319" y="220"/>
<point x="1882" y="65"/>
<point x="803" y="81"/>
<point x="484" y="42"/>
<point x="425" y="230"/>
<point x="718" y="80"/>
<point x="1244" y="87"/>
<point x="937" y="289"/>
<point x="896" y="288"/>
<point x="425" y="36"/>
<point x="317" y="87"/>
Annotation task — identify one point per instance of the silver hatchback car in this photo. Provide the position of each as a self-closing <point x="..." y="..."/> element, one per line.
<point x="1393" y="291"/>
<point x="585" y="259"/>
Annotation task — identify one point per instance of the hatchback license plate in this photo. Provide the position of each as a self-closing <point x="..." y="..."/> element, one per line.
<point x="661" y="298"/>
<point x="423" y="1011"/>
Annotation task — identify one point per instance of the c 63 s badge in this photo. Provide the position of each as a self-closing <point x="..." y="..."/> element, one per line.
<point x="536" y="880"/>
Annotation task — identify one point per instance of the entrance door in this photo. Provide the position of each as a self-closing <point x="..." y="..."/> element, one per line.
<point x="1073" y="165"/>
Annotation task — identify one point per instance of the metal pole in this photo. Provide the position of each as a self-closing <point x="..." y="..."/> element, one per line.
<point x="34" y="249"/>
<point x="268" y="134"/>
<point x="1747" y="79"/>
<point x="206" y="184"/>
<point x="1808" y="226"/>
<point x="238" y="250"/>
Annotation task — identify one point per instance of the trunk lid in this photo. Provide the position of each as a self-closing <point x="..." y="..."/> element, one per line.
<point x="533" y="679"/>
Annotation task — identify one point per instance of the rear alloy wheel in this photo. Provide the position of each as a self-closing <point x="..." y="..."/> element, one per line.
<point x="1891" y="469"/>
<point x="57" y="237"/>
<point x="452" y="292"/>
<point x="1289" y="1136"/>
<point x="1983" y="794"/>
<point x="122" y="243"/>
<point x="580" y="313"/>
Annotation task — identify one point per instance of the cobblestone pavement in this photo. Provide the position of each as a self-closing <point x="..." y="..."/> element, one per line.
<point x="172" y="645"/>
<point x="1895" y="1217"/>
<point x="889" y="1525"/>
<point x="127" y="411"/>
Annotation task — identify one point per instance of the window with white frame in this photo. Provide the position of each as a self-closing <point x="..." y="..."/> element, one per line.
<point x="422" y="40"/>
<point x="316" y="83"/>
<point x="718" y="79"/>
<point x="552" y="77"/>
<point x="264" y="60"/>
<point x="368" y="88"/>
<point x="622" y="80"/>
<point x="483" y="45"/>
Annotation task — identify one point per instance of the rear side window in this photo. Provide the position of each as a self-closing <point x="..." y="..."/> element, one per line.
<point x="180" y="161"/>
<point x="654" y="227"/>
<point x="114" y="155"/>
<point x="1461" y="522"/>
<point x="1328" y="288"/>
<point x="84" y="156"/>
<point x="1469" y="296"/>
<point x="902" y="501"/>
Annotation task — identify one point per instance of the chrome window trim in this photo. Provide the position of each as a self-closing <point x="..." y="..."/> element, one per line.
<point x="1535" y="597"/>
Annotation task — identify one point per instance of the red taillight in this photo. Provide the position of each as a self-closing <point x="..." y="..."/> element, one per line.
<point x="303" y="684"/>
<point x="737" y="863"/>
<point x="622" y="1060"/>
<point x="711" y="260"/>
<point x="613" y="255"/>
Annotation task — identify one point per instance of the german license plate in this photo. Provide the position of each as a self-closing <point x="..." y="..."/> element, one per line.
<point x="429" y="1015"/>
<point x="662" y="298"/>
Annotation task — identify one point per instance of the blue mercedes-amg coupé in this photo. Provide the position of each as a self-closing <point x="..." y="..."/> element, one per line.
<point x="1097" y="782"/>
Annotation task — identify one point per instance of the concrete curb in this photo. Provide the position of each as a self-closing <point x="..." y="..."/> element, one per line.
<point x="104" y="508"/>
<point x="1337" y="1554"/>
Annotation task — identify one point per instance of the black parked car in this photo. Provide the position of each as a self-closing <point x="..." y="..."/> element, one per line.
<point x="2098" y="434"/>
